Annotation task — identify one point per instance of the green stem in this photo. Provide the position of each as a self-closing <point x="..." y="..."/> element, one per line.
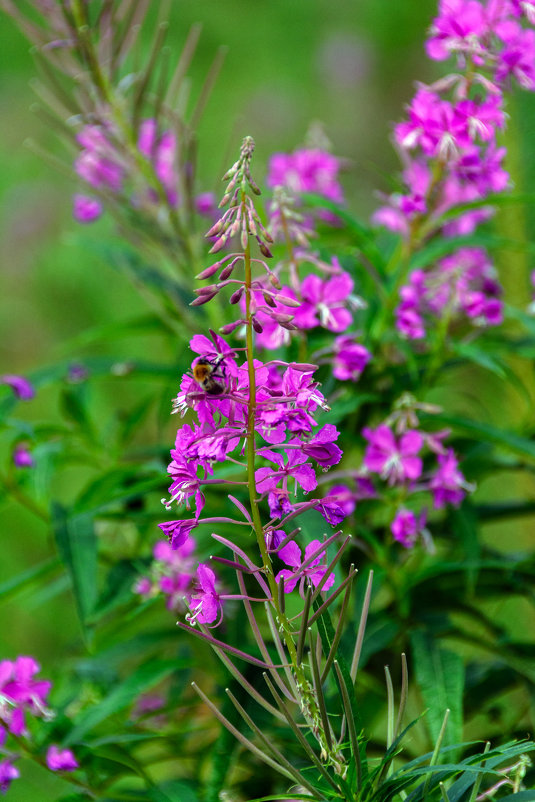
<point x="308" y="701"/>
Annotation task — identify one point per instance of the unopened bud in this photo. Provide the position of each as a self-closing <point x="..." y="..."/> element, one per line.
<point x="208" y="271"/>
<point x="244" y="238"/>
<point x="254" y="186"/>
<point x="203" y="299"/>
<point x="218" y="244"/>
<point x="210" y="288"/>
<point x="228" y="328"/>
<point x="282" y="318"/>
<point x="227" y="271"/>
<point x="269" y="300"/>
<point x="264" y="249"/>
<point x="236" y="295"/>
<point x="287" y="301"/>
<point x="216" y="228"/>
<point x="257" y="326"/>
<point x="274" y="281"/>
<point x="288" y="326"/>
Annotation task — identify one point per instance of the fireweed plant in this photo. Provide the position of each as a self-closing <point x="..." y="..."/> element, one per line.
<point x="323" y="499"/>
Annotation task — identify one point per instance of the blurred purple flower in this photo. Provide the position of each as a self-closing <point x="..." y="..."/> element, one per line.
<point x="22" y="458"/>
<point x="86" y="209"/>
<point x="20" y="386"/>
<point x="394" y="460"/>
<point x="60" y="759"/>
<point x="8" y="773"/>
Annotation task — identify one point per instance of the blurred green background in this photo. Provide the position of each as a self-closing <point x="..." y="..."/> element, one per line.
<point x="351" y="66"/>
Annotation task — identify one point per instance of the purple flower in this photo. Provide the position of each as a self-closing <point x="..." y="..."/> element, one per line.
<point x="8" y="773"/>
<point x="161" y="151"/>
<point x="306" y="170"/>
<point x="350" y="358"/>
<point x="98" y="163"/>
<point x="205" y="605"/>
<point x="22" y="458"/>
<point x="20" y="386"/>
<point x="60" y="759"/>
<point x="324" y="303"/>
<point x="406" y="527"/>
<point x="322" y="448"/>
<point x="457" y="29"/>
<point x="394" y="460"/>
<point x="448" y="485"/>
<point x="86" y="209"/>
<point x="267" y="479"/>
<point x="21" y="692"/>
<point x="177" y="532"/>
<point x="314" y="571"/>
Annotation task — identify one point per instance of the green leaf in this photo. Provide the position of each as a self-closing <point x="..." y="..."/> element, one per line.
<point x="77" y="546"/>
<point x="25" y="579"/>
<point x="345" y="406"/>
<point x="327" y="633"/>
<point x="486" y="431"/>
<point x="478" y="356"/>
<point x="123" y="695"/>
<point x="440" y="677"/>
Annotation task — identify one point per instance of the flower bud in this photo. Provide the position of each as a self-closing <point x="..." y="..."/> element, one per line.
<point x="256" y="325"/>
<point x="269" y="300"/>
<point x="219" y="243"/>
<point x="203" y="299"/>
<point x="264" y="249"/>
<point x="228" y="328"/>
<point x="227" y="271"/>
<point x="208" y="271"/>
<point x="286" y="301"/>
<point x="236" y="295"/>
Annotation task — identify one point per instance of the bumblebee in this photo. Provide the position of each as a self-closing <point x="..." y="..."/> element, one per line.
<point x="208" y="376"/>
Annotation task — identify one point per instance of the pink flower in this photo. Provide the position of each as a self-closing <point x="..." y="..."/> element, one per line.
<point x="325" y="303"/>
<point x="20" y="386"/>
<point x="22" y="458"/>
<point x="161" y="151"/>
<point x="21" y="692"/>
<point x="306" y="170"/>
<point x="205" y="605"/>
<point x="8" y="773"/>
<point x="394" y="460"/>
<point x="322" y="447"/>
<point x="178" y="532"/>
<point x="60" y="759"/>
<point x="448" y="485"/>
<point x="350" y="358"/>
<point x="314" y="571"/>
<point x="457" y="29"/>
<point x="86" y="209"/>
<point x="406" y="527"/>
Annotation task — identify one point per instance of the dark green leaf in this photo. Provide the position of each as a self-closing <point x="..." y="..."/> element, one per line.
<point x="77" y="547"/>
<point x="122" y="696"/>
<point x="440" y="677"/>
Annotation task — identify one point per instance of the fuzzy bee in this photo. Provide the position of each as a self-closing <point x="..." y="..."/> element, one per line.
<point x="209" y="375"/>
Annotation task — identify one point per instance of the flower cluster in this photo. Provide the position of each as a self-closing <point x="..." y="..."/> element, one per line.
<point x="395" y="456"/>
<point x="23" y="694"/>
<point x="450" y="153"/>
<point x="460" y="286"/>
<point x="172" y="571"/>
<point x="104" y="166"/>
<point x="306" y="170"/>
